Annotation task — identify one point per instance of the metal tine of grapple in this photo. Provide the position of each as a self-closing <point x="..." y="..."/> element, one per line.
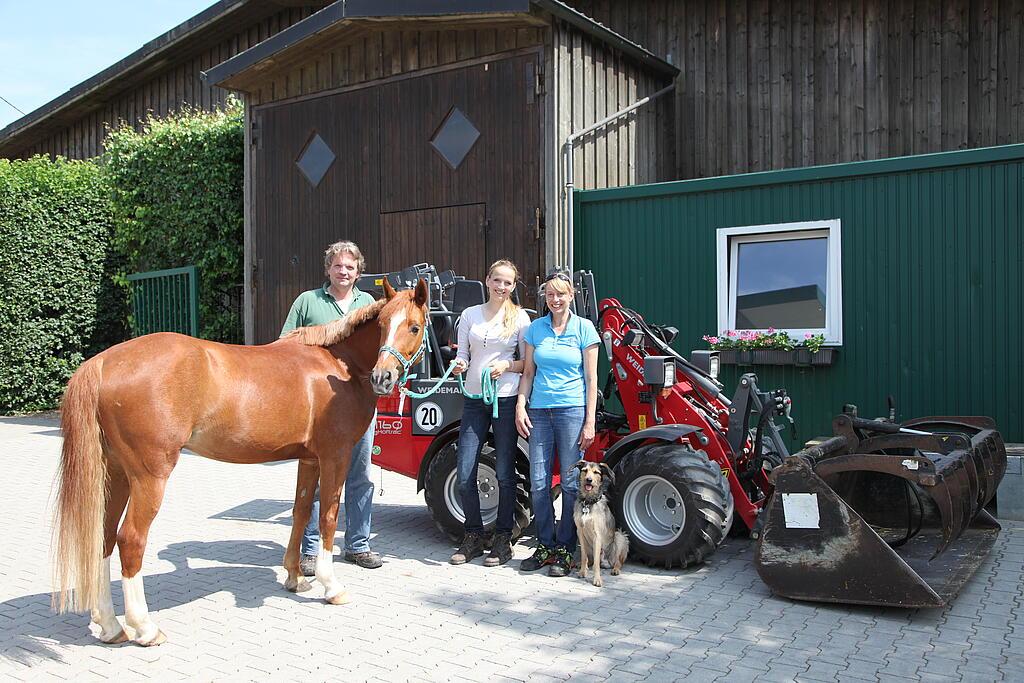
<point x="947" y="513"/>
<point x="989" y="457"/>
<point x="976" y="482"/>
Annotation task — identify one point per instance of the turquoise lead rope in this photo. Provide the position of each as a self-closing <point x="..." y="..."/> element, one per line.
<point x="488" y="393"/>
<point x="488" y="386"/>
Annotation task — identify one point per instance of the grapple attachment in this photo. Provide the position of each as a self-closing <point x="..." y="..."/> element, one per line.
<point x="883" y="513"/>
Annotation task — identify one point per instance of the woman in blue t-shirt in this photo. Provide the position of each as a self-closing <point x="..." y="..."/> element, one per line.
<point x="560" y="382"/>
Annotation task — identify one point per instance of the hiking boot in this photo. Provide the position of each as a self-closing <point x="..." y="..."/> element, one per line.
<point x="561" y="563"/>
<point x="307" y="565"/>
<point x="501" y="550"/>
<point x="366" y="559"/>
<point x="541" y="556"/>
<point x="472" y="546"/>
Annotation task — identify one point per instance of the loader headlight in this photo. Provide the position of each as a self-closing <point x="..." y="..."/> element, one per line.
<point x="659" y="372"/>
<point x="708" y="361"/>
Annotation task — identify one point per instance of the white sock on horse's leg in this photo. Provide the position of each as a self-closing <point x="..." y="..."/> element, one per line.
<point x="136" y="612"/>
<point x="103" y="613"/>
<point x="325" y="575"/>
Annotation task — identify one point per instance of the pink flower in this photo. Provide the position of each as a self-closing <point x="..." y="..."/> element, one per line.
<point x="731" y="333"/>
<point x="808" y="335"/>
<point x="712" y="340"/>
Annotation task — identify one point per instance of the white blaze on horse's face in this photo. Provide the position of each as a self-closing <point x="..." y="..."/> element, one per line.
<point x="383" y="378"/>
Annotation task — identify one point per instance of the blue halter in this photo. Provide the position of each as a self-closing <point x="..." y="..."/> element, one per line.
<point x="407" y="363"/>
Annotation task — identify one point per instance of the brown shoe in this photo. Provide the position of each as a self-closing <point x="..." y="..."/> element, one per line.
<point x="366" y="559"/>
<point x="501" y="550"/>
<point x="472" y="546"/>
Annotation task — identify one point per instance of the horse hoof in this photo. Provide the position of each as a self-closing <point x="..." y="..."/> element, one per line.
<point x="158" y="639"/>
<point x="340" y="598"/>
<point x="118" y="638"/>
<point x="297" y="586"/>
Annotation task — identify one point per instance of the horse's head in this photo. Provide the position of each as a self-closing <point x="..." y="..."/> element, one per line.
<point x="403" y="322"/>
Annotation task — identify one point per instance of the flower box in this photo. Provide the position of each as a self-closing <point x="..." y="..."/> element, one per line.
<point x="799" y="357"/>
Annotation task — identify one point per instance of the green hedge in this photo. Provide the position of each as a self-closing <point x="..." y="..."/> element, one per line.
<point x="58" y="301"/>
<point x="177" y="200"/>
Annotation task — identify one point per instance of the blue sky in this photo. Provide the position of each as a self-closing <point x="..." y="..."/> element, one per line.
<point x="49" y="46"/>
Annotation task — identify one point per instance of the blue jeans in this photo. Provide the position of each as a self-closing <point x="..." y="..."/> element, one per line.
<point x="555" y="430"/>
<point x="476" y="422"/>
<point x="358" y="501"/>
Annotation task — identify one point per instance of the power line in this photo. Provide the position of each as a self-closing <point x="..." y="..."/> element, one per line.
<point x="12" y="106"/>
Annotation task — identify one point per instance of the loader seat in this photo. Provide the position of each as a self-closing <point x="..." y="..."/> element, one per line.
<point x="464" y="293"/>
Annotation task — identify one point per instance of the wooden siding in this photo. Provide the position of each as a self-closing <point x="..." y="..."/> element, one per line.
<point x="772" y="84"/>
<point x="165" y="92"/>
<point x="590" y="81"/>
<point x="381" y="54"/>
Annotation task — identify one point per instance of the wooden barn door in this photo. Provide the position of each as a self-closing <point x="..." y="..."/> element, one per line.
<point x="383" y="166"/>
<point x="439" y="236"/>
<point x="461" y="166"/>
<point x="315" y="181"/>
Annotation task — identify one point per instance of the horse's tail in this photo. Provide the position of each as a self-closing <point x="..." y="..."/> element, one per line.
<point x="81" y="495"/>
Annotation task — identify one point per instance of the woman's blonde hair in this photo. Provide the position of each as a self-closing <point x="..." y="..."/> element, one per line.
<point x="509" y="311"/>
<point x="344" y="247"/>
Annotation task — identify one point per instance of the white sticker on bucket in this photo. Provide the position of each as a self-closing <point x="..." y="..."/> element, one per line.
<point x="911" y="464"/>
<point x="800" y="510"/>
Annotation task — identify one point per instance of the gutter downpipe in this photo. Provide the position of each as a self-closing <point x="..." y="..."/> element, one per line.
<point x="567" y="151"/>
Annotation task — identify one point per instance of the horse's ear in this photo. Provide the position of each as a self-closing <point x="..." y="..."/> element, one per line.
<point x="389" y="291"/>
<point x="420" y="298"/>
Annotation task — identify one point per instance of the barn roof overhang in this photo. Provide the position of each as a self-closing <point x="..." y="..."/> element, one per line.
<point x="348" y="18"/>
<point x="218" y="22"/>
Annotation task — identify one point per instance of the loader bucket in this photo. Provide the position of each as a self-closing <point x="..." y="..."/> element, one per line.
<point x="883" y="514"/>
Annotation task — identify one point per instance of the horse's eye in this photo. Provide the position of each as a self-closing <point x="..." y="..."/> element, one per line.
<point x="415" y="329"/>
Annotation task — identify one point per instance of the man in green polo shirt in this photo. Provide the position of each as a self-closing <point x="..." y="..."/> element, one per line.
<point x="339" y="296"/>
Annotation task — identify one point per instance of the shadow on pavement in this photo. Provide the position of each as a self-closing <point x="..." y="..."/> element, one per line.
<point x="32" y="631"/>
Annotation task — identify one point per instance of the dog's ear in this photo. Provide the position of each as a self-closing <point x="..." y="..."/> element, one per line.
<point x="607" y="472"/>
<point x="580" y="465"/>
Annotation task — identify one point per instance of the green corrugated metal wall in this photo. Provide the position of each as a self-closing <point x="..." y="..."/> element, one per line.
<point x="933" y="275"/>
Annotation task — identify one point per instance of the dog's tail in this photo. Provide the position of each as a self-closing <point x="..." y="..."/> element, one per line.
<point x="620" y="547"/>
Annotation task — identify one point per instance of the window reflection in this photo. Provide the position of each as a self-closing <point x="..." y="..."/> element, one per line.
<point x="782" y="284"/>
<point x="455" y="138"/>
<point x="315" y="160"/>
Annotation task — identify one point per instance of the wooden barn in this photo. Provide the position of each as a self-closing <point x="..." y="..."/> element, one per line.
<point x="759" y="86"/>
<point x="446" y="144"/>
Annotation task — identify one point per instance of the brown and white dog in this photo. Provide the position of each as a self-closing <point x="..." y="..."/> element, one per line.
<point x="595" y="523"/>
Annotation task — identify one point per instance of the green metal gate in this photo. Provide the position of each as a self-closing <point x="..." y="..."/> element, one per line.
<point x="165" y="301"/>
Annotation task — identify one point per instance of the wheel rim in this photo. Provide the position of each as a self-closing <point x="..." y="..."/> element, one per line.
<point x="653" y="510"/>
<point x="486" y="486"/>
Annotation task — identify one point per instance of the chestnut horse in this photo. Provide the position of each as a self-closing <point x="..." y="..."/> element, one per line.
<point x="129" y="411"/>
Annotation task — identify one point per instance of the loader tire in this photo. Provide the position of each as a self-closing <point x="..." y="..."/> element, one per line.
<point x="673" y="502"/>
<point x="440" y="490"/>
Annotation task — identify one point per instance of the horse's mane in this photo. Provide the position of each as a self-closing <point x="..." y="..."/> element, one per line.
<point x="331" y="333"/>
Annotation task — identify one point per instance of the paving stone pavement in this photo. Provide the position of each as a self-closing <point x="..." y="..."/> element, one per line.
<point x="214" y="583"/>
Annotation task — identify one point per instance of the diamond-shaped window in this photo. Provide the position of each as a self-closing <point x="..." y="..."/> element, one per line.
<point x="455" y="138"/>
<point x="315" y="160"/>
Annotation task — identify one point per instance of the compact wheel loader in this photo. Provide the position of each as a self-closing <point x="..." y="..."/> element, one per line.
<point x="879" y="513"/>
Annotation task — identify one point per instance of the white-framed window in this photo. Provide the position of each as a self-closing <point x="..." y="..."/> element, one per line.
<point x="787" y="276"/>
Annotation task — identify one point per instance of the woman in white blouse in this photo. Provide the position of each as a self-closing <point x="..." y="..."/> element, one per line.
<point x="490" y="338"/>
